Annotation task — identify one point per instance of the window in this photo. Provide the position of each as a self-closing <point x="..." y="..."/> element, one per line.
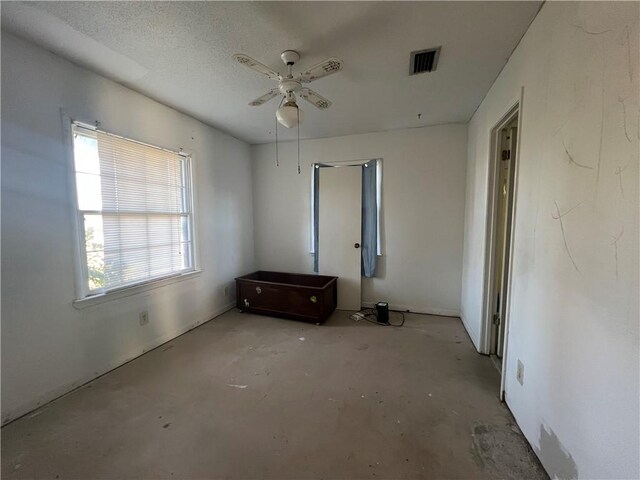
<point x="134" y="211"/>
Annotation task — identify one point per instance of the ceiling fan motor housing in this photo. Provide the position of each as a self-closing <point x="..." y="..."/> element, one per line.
<point x="290" y="57"/>
<point x="287" y="86"/>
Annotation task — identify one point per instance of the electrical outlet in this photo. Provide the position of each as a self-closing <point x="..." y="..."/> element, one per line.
<point x="226" y="290"/>
<point x="144" y="317"/>
<point x="520" y="373"/>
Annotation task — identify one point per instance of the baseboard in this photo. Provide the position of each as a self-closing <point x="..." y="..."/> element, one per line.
<point x="472" y="334"/>
<point x="68" y="388"/>
<point x="424" y="310"/>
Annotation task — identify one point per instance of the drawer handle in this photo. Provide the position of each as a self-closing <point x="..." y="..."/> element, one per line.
<point x="258" y="290"/>
<point x="313" y="299"/>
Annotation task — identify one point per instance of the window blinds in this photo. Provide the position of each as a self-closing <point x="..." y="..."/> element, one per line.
<point x="134" y="203"/>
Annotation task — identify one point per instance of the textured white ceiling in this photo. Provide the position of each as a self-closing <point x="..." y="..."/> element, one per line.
<point x="180" y="54"/>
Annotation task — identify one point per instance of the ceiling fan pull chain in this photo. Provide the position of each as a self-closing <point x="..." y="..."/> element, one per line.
<point x="276" y="117"/>
<point x="277" y="160"/>
<point x="298" y="114"/>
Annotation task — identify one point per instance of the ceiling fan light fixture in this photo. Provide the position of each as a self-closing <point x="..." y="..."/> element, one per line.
<point x="289" y="114"/>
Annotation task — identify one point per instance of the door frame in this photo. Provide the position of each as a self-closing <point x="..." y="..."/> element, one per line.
<point x="379" y="194"/>
<point x="345" y="163"/>
<point x="515" y="110"/>
<point x="354" y="163"/>
<point x="339" y="206"/>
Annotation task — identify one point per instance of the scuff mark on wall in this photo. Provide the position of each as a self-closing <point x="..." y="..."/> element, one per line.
<point x="601" y="119"/>
<point x="571" y="159"/>
<point x="615" y="248"/>
<point x="619" y="171"/>
<point x="535" y="228"/>
<point x="558" y="462"/>
<point x="626" y="29"/>
<point x="557" y="130"/>
<point x="564" y="236"/>
<point x="624" y="118"/>
<point x="583" y="29"/>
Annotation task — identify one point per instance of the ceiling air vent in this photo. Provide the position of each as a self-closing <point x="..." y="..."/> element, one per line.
<point x="424" y="60"/>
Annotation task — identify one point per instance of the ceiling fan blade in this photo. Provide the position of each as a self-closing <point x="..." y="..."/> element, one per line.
<point x="256" y="65"/>
<point x="265" y="98"/>
<point x="315" y="99"/>
<point x="327" y="67"/>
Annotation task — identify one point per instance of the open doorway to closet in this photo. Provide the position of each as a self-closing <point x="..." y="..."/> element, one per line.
<point x="502" y="182"/>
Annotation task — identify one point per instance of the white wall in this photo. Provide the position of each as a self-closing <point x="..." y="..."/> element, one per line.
<point x="575" y="328"/>
<point x="48" y="347"/>
<point x="423" y="209"/>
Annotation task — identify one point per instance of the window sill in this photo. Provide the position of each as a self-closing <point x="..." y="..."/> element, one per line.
<point x="83" y="303"/>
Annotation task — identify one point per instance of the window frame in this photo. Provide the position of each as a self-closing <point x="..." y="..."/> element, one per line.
<point x="86" y="297"/>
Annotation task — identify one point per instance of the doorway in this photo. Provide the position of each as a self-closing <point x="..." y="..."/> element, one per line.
<point x="500" y="220"/>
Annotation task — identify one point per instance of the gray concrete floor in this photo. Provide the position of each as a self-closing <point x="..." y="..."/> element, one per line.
<point x="247" y="397"/>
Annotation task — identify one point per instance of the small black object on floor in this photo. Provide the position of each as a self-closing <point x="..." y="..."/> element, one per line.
<point x="378" y="315"/>
<point x="382" y="312"/>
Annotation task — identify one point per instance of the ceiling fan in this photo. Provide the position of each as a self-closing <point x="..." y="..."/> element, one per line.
<point x="288" y="114"/>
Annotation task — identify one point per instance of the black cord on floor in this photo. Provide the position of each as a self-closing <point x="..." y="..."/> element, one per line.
<point x="369" y="314"/>
<point x="401" y="323"/>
